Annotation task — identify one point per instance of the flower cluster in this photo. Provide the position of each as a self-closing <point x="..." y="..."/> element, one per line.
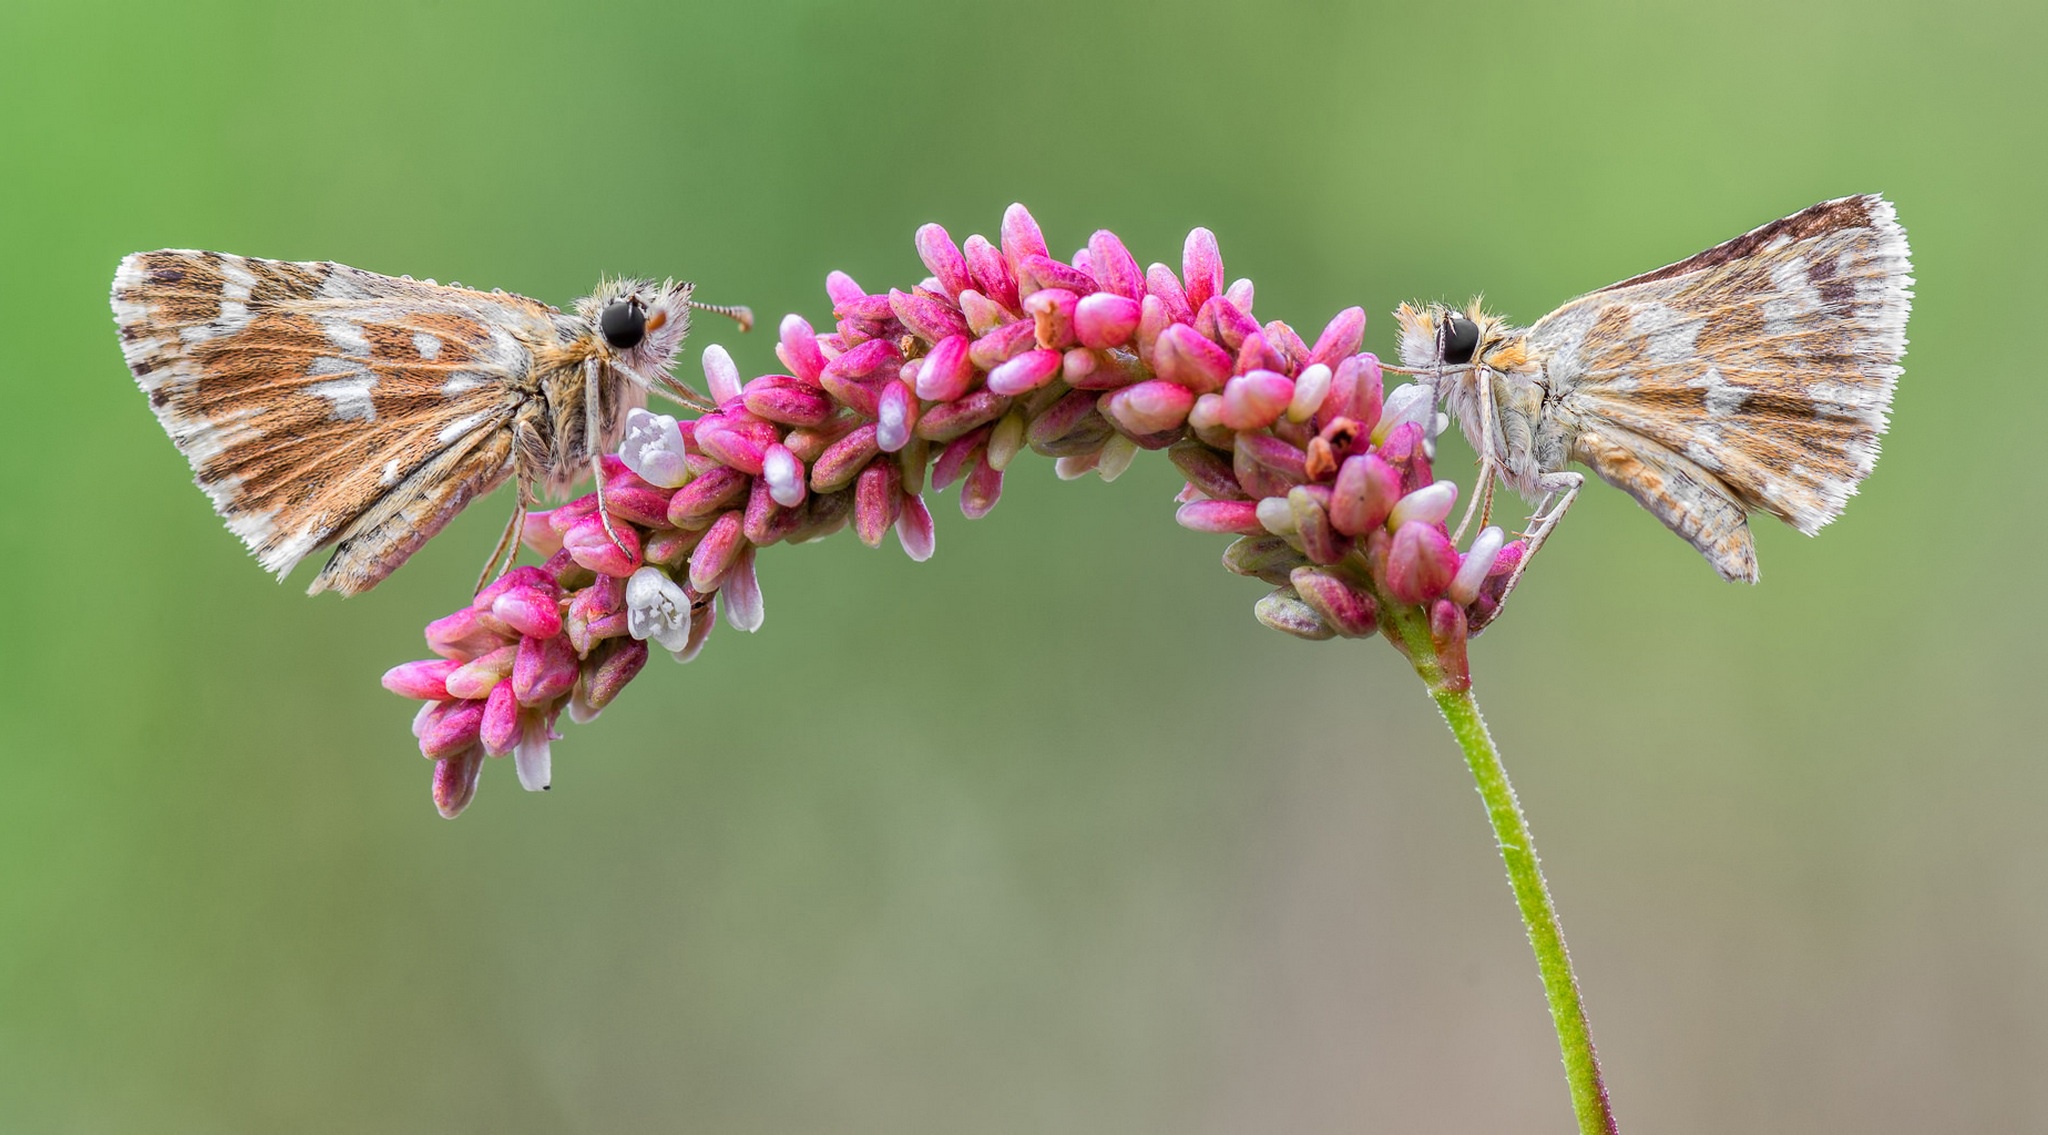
<point x="1297" y="448"/>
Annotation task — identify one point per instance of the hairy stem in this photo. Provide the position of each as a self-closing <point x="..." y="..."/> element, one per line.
<point x="1525" y="876"/>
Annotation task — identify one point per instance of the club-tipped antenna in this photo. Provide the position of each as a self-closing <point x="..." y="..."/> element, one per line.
<point x="738" y="313"/>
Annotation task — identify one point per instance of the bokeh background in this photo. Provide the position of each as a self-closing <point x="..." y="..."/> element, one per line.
<point x="1046" y="834"/>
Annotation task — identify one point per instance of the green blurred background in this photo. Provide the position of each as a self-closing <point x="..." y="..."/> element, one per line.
<point x="1046" y="834"/>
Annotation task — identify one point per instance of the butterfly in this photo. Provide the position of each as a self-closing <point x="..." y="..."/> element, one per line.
<point x="1754" y="376"/>
<point x="320" y="404"/>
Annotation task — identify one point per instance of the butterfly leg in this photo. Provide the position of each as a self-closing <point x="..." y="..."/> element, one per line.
<point x="1560" y="490"/>
<point x="507" y="550"/>
<point x="592" y="435"/>
<point x="1484" y="489"/>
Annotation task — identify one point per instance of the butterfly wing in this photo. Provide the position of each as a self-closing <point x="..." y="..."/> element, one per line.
<point x="319" y="403"/>
<point x="1760" y="370"/>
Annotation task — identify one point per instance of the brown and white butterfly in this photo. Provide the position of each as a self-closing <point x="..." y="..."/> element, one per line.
<point x="1756" y="375"/>
<point x="321" y="404"/>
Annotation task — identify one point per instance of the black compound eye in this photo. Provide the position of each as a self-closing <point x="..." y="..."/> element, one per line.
<point x="624" y="323"/>
<point x="1459" y="337"/>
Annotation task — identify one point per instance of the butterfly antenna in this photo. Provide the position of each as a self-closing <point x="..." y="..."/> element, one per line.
<point x="738" y="313"/>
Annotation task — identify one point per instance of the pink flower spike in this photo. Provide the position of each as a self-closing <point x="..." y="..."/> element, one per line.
<point x="947" y="372"/>
<point x="1240" y="517"/>
<point x="452" y="730"/>
<point x="1240" y="295"/>
<point x="942" y="258"/>
<point x="715" y="553"/>
<point x="1364" y="496"/>
<point x="1311" y="389"/>
<point x="740" y="594"/>
<point x="1102" y="320"/>
<point x="1052" y="313"/>
<point x="877" y="494"/>
<point x="928" y="319"/>
<point x="1429" y="504"/>
<point x="530" y="611"/>
<point x="799" y="348"/>
<point x="424" y="680"/>
<point x="1201" y="266"/>
<point x="1340" y="338"/>
<point x="1344" y="607"/>
<point x="1184" y="356"/>
<point x="1113" y="266"/>
<point x="591" y="546"/>
<point x="785" y="476"/>
<point x="992" y="274"/>
<point x="1256" y="400"/>
<point x="544" y="670"/>
<point x="455" y="781"/>
<point x="1027" y="371"/>
<point x="1420" y="563"/>
<point x="914" y="528"/>
<point x="1021" y="237"/>
<point x="500" y="729"/>
<point x="980" y="491"/>
<point x="721" y="374"/>
<point x="1476" y="563"/>
<point x="1149" y="407"/>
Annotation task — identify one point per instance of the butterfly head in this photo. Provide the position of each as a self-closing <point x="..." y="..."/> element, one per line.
<point x="639" y="324"/>
<point x="1437" y="337"/>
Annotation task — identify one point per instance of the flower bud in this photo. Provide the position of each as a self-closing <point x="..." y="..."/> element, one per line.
<point x="946" y="372"/>
<point x="1201" y="265"/>
<point x="798" y="349"/>
<point x="942" y="257"/>
<point x="455" y="780"/>
<point x="1420" y="562"/>
<point x="1102" y="320"/>
<point x="990" y="269"/>
<point x="1284" y="611"/>
<point x="1344" y="606"/>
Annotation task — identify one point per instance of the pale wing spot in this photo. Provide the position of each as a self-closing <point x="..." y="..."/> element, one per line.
<point x="351" y="396"/>
<point x="462" y="381"/>
<point x="1724" y="398"/>
<point x="427" y="345"/>
<point x="460" y="426"/>
<point x="390" y="476"/>
<point x="347" y="338"/>
<point x="1669" y="335"/>
<point x="1793" y="298"/>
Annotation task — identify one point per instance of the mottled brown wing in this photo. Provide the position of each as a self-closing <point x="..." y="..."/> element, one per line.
<point x="1767" y="363"/>
<point x="320" y="403"/>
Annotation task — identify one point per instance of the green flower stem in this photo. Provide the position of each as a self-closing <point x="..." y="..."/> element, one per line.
<point x="1518" y="850"/>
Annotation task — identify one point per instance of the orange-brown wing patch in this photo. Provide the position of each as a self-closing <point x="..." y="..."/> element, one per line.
<point x="1768" y="361"/>
<point x="303" y="394"/>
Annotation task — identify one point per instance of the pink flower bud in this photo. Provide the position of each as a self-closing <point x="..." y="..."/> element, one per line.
<point x="707" y="495"/>
<point x="1241" y="517"/>
<point x="1206" y="469"/>
<point x="946" y="372"/>
<point x="1240" y="295"/>
<point x="455" y="781"/>
<point x="981" y="490"/>
<point x="928" y="319"/>
<point x="1322" y="543"/>
<point x="1021" y="237"/>
<point x="424" y="680"/>
<point x="500" y="729"/>
<point x="1272" y="453"/>
<point x="949" y="420"/>
<point x="1027" y="371"/>
<point x="536" y="533"/>
<point x="740" y="594"/>
<point x="1284" y="611"/>
<point x="1256" y="400"/>
<point x="1003" y="344"/>
<point x="1430" y="504"/>
<point x="1102" y="320"/>
<point x="1052" y="311"/>
<point x="1474" y="565"/>
<point x="721" y="374"/>
<point x="563" y="517"/>
<point x="1160" y="281"/>
<point x="731" y="447"/>
<point x="1420" y="563"/>
<point x="764" y="521"/>
<point x="877" y="495"/>
<point x="544" y="670"/>
<point x="1149" y="407"/>
<point x="1344" y="607"/>
<point x="954" y="460"/>
<point x="1270" y="558"/>
<point x="992" y="274"/>
<point x="982" y="313"/>
<point x="787" y="400"/>
<point x="876" y="359"/>
<point x="840" y="464"/>
<point x="841" y="288"/>
<point x="1340" y="338"/>
<point x="1256" y="353"/>
<point x="452" y="729"/>
<point x="463" y="635"/>
<point x="1311" y="389"/>
<point x="1404" y="450"/>
<point x="1201" y="266"/>
<point x="914" y="528"/>
<point x="784" y="475"/>
<point x="1364" y="496"/>
<point x="616" y="665"/>
<point x="631" y="499"/>
<point x="530" y="610"/>
<point x="1037" y="272"/>
<point x="1447" y="632"/>
<point x="895" y="417"/>
<point x="1232" y="325"/>
<point x="715" y="553"/>
<point x="590" y="545"/>
<point x="799" y="349"/>
<point x="1114" y="268"/>
<point x="1183" y="356"/>
<point x="942" y="258"/>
